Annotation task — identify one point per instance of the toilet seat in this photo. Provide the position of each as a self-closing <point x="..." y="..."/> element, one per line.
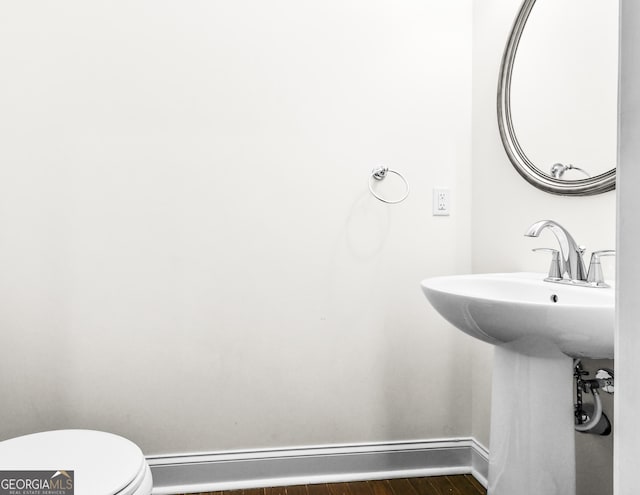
<point x="103" y="463"/>
<point x="141" y="485"/>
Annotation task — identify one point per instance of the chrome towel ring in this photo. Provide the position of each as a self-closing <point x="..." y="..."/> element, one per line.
<point x="379" y="173"/>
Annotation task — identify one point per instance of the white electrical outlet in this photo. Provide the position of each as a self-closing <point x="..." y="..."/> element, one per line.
<point x="441" y="201"/>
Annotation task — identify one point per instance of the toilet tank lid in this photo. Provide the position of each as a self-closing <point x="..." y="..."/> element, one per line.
<point x="103" y="463"/>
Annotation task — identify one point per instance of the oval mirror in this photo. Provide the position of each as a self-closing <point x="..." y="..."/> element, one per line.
<point x="557" y="95"/>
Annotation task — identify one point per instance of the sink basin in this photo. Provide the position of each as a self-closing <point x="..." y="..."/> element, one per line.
<point x="503" y="307"/>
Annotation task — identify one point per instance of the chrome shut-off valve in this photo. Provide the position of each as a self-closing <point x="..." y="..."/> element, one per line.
<point x="590" y="418"/>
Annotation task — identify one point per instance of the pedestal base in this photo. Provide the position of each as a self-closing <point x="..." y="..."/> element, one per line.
<point x="532" y="445"/>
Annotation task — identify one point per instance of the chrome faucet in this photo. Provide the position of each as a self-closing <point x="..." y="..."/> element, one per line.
<point x="570" y="253"/>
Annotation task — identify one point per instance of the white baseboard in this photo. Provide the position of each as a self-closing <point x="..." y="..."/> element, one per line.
<point x="192" y="473"/>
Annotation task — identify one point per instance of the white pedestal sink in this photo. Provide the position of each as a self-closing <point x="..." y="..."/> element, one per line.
<point x="504" y="307"/>
<point x="537" y="326"/>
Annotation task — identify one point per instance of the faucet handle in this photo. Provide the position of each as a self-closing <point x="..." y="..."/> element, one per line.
<point x="595" y="276"/>
<point x="555" y="273"/>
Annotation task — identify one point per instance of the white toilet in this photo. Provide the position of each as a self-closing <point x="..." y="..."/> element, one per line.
<point x="103" y="463"/>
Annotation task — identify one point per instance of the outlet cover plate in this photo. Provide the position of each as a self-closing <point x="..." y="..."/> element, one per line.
<point x="441" y="201"/>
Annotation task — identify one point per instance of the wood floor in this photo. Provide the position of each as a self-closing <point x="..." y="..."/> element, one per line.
<point x="435" y="485"/>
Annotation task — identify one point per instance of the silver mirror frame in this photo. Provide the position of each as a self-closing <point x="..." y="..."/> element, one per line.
<point x="521" y="162"/>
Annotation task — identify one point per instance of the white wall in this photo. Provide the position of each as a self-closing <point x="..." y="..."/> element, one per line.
<point x="189" y="253"/>
<point x="504" y="205"/>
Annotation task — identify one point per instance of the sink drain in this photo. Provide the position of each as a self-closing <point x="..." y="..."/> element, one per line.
<point x="554" y="298"/>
